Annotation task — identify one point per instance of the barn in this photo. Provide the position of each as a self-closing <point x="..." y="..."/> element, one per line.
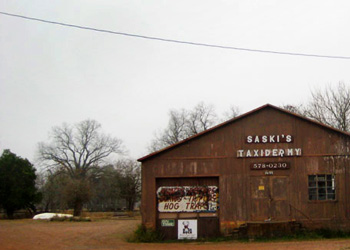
<point x="265" y="169"/>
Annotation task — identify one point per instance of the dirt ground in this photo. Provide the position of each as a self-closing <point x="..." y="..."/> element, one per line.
<point x="111" y="234"/>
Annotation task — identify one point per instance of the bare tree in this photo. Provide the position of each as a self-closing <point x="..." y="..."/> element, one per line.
<point x="331" y="106"/>
<point x="231" y="113"/>
<point x="177" y="127"/>
<point x="186" y="123"/>
<point x="106" y="191"/>
<point x="175" y="131"/>
<point x="129" y="181"/>
<point x="183" y="124"/>
<point x="200" y="118"/>
<point x="297" y="109"/>
<point x="53" y="188"/>
<point x="78" y="151"/>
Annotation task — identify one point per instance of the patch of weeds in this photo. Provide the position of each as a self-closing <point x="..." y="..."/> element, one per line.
<point x="143" y="234"/>
<point x="217" y="239"/>
<point x="329" y="234"/>
<point x="317" y="234"/>
<point x="74" y="219"/>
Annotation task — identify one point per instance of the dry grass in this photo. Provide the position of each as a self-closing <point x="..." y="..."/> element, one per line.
<point x="98" y="215"/>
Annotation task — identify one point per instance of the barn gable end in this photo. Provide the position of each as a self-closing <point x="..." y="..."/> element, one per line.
<point x="269" y="165"/>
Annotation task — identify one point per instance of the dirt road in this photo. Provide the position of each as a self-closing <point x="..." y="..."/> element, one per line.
<point x="110" y="234"/>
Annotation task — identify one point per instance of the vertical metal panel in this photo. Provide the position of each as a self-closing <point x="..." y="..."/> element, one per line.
<point x="260" y="200"/>
<point x="279" y="198"/>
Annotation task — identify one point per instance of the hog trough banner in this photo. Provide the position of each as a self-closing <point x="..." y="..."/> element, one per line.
<point x="188" y="199"/>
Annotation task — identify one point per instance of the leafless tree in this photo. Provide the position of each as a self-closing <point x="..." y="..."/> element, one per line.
<point x="129" y="181"/>
<point x="231" y="113"/>
<point x="331" y="106"/>
<point x="297" y="109"/>
<point x="53" y="189"/>
<point x="199" y="119"/>
<point x="78" y="151"/>
<point x="177" y="127"/>
<point x="106" y="191"/>
<point x="183" y="124"/>
<point x="175" y="131"/>
<point x="186" y="123"/>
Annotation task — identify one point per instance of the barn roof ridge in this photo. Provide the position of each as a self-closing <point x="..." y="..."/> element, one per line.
<point x="236" y="119"/>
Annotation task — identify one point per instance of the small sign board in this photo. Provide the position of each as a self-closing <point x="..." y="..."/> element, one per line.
<point x="187" y="229"/>
<point x="168" y="223"/>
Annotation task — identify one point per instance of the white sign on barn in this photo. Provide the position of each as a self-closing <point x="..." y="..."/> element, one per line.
<point x="187" y="229"/>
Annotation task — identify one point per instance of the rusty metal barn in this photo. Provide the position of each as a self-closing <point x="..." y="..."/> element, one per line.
<point x="266" y="169"/>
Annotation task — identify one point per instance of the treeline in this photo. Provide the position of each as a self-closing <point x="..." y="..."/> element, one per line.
<point x="76" y="174"/>
<point x="75" y="158"/>
<point x="112" y="187"/>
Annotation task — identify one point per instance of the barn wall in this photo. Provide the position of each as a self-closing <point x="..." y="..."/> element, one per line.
<point x="214" y="154"/>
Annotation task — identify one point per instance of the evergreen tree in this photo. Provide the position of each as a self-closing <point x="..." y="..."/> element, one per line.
<point x="17" y="184"/>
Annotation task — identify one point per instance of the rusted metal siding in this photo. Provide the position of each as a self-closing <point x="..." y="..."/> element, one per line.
<point x="285" y="194"/>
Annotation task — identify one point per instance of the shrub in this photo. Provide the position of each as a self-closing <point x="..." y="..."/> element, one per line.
<point x="142" y="234"/>
<point x="328" y="233"/>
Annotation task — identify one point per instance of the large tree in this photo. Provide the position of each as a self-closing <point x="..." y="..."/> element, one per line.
<point x="78" y="151"/>
<point x="17" y="183"/>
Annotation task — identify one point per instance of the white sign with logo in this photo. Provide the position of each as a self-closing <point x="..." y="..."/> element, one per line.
<point x="187" y="229"/>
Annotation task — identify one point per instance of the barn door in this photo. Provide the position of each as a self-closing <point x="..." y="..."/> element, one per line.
<point x="279" y="207"/>
<point x="260" y="198"/>
<point x="269" y="198"/>
<point x="169" y="222"/>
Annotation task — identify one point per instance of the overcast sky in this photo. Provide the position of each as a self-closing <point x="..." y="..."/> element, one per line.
<point x="51" y="74"/>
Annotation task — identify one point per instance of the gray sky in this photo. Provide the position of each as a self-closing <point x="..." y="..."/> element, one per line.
<point x="51" y="74"/>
